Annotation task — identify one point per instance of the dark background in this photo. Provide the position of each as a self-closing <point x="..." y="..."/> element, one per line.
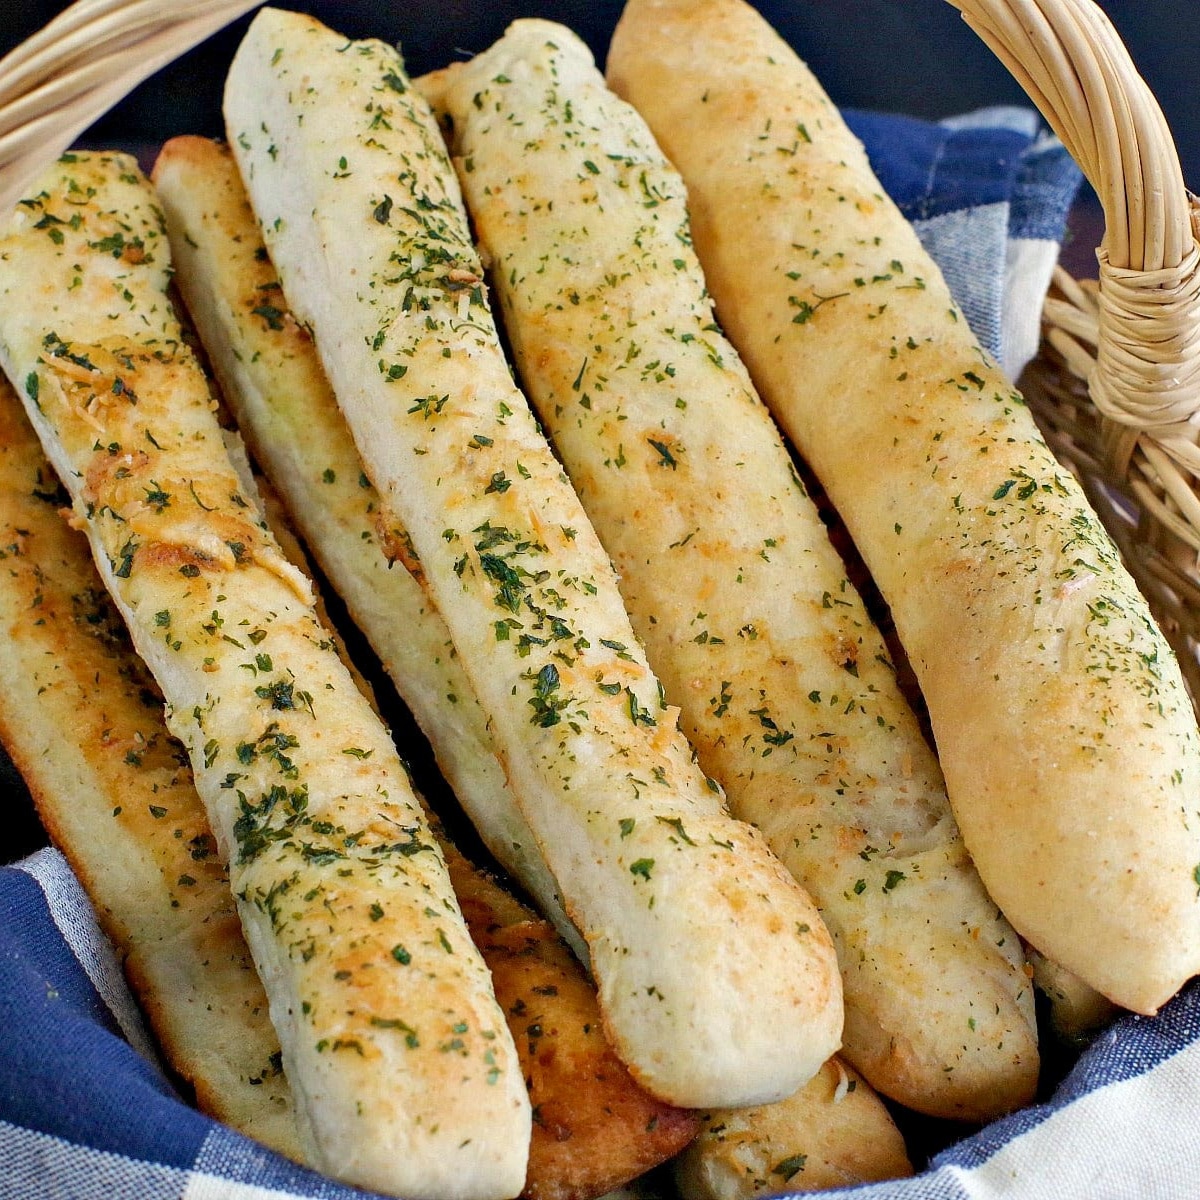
<point x="913" y="56"/>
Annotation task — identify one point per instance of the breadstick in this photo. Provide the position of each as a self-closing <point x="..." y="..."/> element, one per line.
<point x="342" y="892"/>
<point x="1076" y="1012"/>
<point x="595" y="1129"/>
<point x="272" y="379"/>
<point x="1063" y="728"/>
<point x="833" y="1133"/>
<point x="784" y="684"/>
<point x="117" y="798"/>
<point x="716" y="977"/>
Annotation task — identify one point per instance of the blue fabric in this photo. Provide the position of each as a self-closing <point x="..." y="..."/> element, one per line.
<point x="84" y="1114"/>
<point x="1045" y="185"/>
<point x="931" y="169"/>
<point x="988" y="194"/>
<point x="69" y="1047"/>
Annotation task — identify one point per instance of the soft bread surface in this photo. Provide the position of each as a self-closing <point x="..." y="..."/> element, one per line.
<point x="785" y="686"/>
<point x="343" y="894"/>
<point x="1067" y="739"/>
<point x="833" y="1133"/>
<point x="117" y="798"/>
<point x="716" y="976"/>
<point x="273" y="382"/>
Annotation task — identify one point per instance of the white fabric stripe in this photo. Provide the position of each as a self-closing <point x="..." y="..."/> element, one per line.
<point x="36" y="1166"/>
<point x="224" y="1154"/>
<point x="1138" y="1139"/>
<point x="75" y="918"/>
<point x="1028" y="265"/>
<point x="999" y="116"/>
<point x="213" y="1187"/>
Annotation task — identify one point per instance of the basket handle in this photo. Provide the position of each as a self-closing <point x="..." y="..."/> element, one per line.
<point x="1144" y="375"/>
<point x="69" y="74"/>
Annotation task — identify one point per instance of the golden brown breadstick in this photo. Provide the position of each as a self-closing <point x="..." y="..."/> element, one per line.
<point x="1066" y="736"/>
<point x="594" y="1129"/>
<point x="342" y="892"/>
<point x="272" y="380"/>
<point x="785" y="686"/>
<point x="716" y="976"/>
<point x="117" y="798"/>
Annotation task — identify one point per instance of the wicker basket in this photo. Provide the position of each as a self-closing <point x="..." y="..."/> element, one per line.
<point x="55" y="84"/>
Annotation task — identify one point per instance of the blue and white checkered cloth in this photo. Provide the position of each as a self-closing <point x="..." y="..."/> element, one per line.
<point x="988" y="195"/>
<point x="86" y="1113"/>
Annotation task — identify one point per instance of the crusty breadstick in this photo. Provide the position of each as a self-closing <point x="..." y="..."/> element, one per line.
<point x="594" y="1129"/>
<point x="833" y="1133"/>
<point x="343" y="895"/>
<point x="717" y="978"/>
<point x="272" y="380"/>
<point x="744" y="606"/>
<point x="117" y="798"/>
<point x="1077" y="1012"/>
<point x="1067" y="739"/>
